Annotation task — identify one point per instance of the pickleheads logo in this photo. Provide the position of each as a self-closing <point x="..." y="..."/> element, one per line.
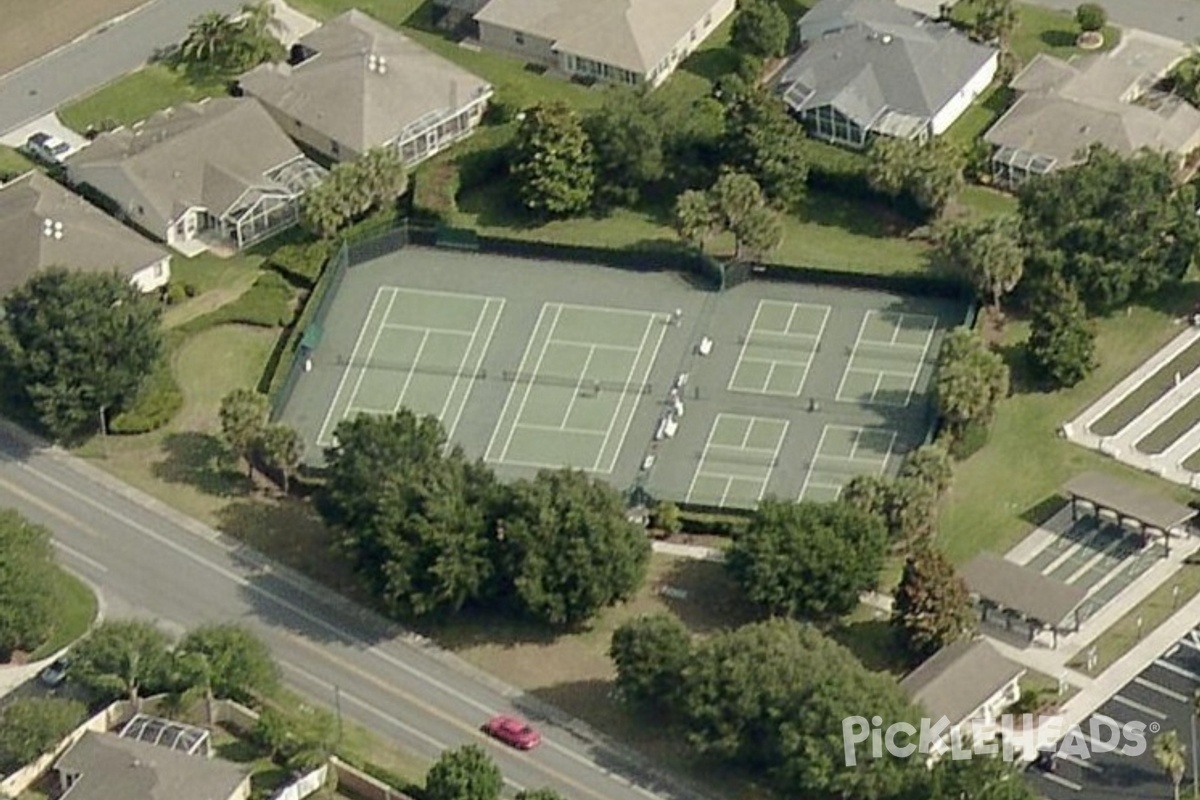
<point x="1010" y="736"/>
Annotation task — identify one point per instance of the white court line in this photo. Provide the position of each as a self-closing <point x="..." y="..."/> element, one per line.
<point x="1061" y="781"/>
<point x="912" y="387"/>
<point x="703" y="456"/>
<point x="322" y="441"/>
<point x="537" y="326"/>
<point x="774" y="460"/>
<point x="812" y="354"/>
<point x="627" y="311"/>
<point x="1169" y="667"/>
<point x="1136" y="706"/>
<point x="354" y="411"/>
<point x="594" y="345"/>
<point x="1164" y="691"/>
<point x="637" y="399"/>
<point x="854" y="445"/>
<point x="867" y="343"/>
<point x="762" y="451"/>
<point x="558" y="429"/>
<point x="745" y="344"/>
<point x="587" y="362"/>
<point x="773" y="361"/>
<point x="411" y="372"/>
<point x="888" y="455"/>
<point x="487" y="344"/>
<point x="537" y="368"/>
<point x="883" y="373"/>
<point x="853" y="352"/>
<point x="396" y="326"/>
<point x="462" y="365"/>
<point x="812" y="464"/>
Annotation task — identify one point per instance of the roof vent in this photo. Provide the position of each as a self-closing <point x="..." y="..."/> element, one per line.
<point x="886" y="38"/>
<point x="372" y="62"/>
<point x="381" y="65"/>
<point x="52" y="228"/>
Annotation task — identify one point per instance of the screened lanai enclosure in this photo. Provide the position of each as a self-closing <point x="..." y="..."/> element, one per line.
<point x="263" y="211"/>
<point x="1011" y="166"/>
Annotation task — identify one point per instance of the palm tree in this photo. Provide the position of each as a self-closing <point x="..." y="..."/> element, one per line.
<point x="1169" y="753"/>
<point x="257" y="36"/>
<point x="381" y="173"/>
<point x="210" y="37"/>
<point x="1185" y="77"/>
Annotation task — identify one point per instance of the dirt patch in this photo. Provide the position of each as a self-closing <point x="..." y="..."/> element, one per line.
<point x="34" y="29"/>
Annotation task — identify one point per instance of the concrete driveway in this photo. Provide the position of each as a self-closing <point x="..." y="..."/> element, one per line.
<point x="45" y="124"/>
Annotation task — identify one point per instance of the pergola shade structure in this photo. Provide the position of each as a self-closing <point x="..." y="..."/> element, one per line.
<point x="1044" y="603"/>
<point x="1143" y="513"/>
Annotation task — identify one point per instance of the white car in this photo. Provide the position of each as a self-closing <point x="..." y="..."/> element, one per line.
<point x="47" y="148"/>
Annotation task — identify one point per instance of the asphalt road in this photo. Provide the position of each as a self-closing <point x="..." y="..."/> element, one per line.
<point x="150" y="563"/>
<point x="1160" y="697"/>
<point x="71" y="71"/>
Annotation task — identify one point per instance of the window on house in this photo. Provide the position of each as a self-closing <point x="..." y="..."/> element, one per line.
<point x="708" y="19"/>
<point x="334" y="147"/>
<point x="520" y="39"/>
<point x="158" y="270"/>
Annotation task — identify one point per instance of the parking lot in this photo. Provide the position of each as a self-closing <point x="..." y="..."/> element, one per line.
<point x="1161" y="698"/>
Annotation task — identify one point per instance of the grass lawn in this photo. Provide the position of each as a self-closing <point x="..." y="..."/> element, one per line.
<point x="1040" y="30"/>
<point x="134" y="97"/>
<point x="981" y="201"/>
<point x="218" y="281"/>
<point x="12" y="163"/>
<point x="1171" y="429"/>
<point x="75" y="607"/>
<point x="1153" y="611"/>
<point x="180" y="464"/>
<point x="980" y="115"/>
<point x="829" y="232"/>
<point x="1009" y="485"/>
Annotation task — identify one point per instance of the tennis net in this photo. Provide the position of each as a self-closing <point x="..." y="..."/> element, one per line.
<point x="584" y="384"/>
<point x="420" y="369"/>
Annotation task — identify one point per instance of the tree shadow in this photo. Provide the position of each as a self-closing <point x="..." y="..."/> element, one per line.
<point x="1057" y="37"/>
<point x="479" y="627"/>
<point x="1041" y="512"/>
<point x="874" y="642"/>
<point x="703" y="596"/>
<point x="196" y="459"/>
<point x="712" y="63"/>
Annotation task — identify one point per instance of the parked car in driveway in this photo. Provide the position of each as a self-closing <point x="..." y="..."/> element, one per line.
<point x="47" y="148"/>
<point x="513" y="732"/>
<point x="55" y="674"/>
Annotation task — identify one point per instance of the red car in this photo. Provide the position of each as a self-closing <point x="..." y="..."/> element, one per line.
<point x="513" y="732"/>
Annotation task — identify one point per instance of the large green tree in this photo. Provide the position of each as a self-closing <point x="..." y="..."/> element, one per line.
<point x="32" y="726"/>
<point x="981" y="777"/>
<point x="568" y="548"/>
<point x="229" y="661"/>
<point x="760" y="28"/>
<point x="995" y="20"/>
<point x="650" y="653"/>
<point x="282" y="450"/>
<point x="971" y="381"/>
<point x="1171" y="756"/>
<point x="1116" y="228"/>
<point x="1062" y="342"/>
<point x="27" y="571"/>
<point x="412" y="514"/>
<point x="122" y="659"/>
<point x="695" y="220"/>
<point x="467" y="773"/>
<point x="929" y="173"/>
<point x="771" y="697"/>
<point x="627" y="136"/>
<point x="352" y="188"/>
<point x="553" y="163"/>
<point x="82" y="344"/>
<point x="763" y="141"/>
<point x="932" y="607"/>
<point x="988" y="253"/>
<point x="225" y="45"/>
<point x="740" y="208"/>
<point x="808" y="559"/>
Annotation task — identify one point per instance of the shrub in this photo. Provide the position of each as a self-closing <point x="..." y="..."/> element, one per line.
<point x="1091" y="17"/>
<point x="159" y="400"/>
<point x="176" y="293"/>
<point x="301" y="264"/>
<point x="481" y="166"/>
<point x="190" y="289"/>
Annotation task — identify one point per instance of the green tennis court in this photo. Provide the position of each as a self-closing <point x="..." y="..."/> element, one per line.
<point x="579" y="384"/>
<point x="737" y="461"/>
<point x="844" y="451"/>
<point x="887" y="358"/>
<point x="779" y="348"/>
<point x="419" y="349"/>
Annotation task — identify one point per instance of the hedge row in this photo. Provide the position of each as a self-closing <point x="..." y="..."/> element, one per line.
<point x="269" y="303"/>
<point x="159" y="400"/>
<point x="301" y="263"/>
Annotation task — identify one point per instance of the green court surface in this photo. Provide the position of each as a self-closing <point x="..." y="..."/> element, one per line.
<point x="417" y="349"/>
<point x="887" y="358"/>
<point x="578" y="386"/>
<point x="737" y="462"/>
<point x="844" y="451"/>
<point x="778" y="350"/>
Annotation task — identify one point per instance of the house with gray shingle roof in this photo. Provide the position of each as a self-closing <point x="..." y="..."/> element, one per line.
<point x="355" y="84"/>
<point x="871" y="68"/>
<point x="1108" y="99"/>
<point x="220" y="170"/>
<point x="632" y="42"/>
<point x="970" y="684"/>
<point x="43" y="225"/>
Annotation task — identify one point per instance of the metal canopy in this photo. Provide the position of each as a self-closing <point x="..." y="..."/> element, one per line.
<point x="1127" y="501"/>
<point x="1022" y="589"/>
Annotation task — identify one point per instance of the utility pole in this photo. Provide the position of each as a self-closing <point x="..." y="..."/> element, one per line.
<point x="104" y="430"/>
<point x="337" y="707"/>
